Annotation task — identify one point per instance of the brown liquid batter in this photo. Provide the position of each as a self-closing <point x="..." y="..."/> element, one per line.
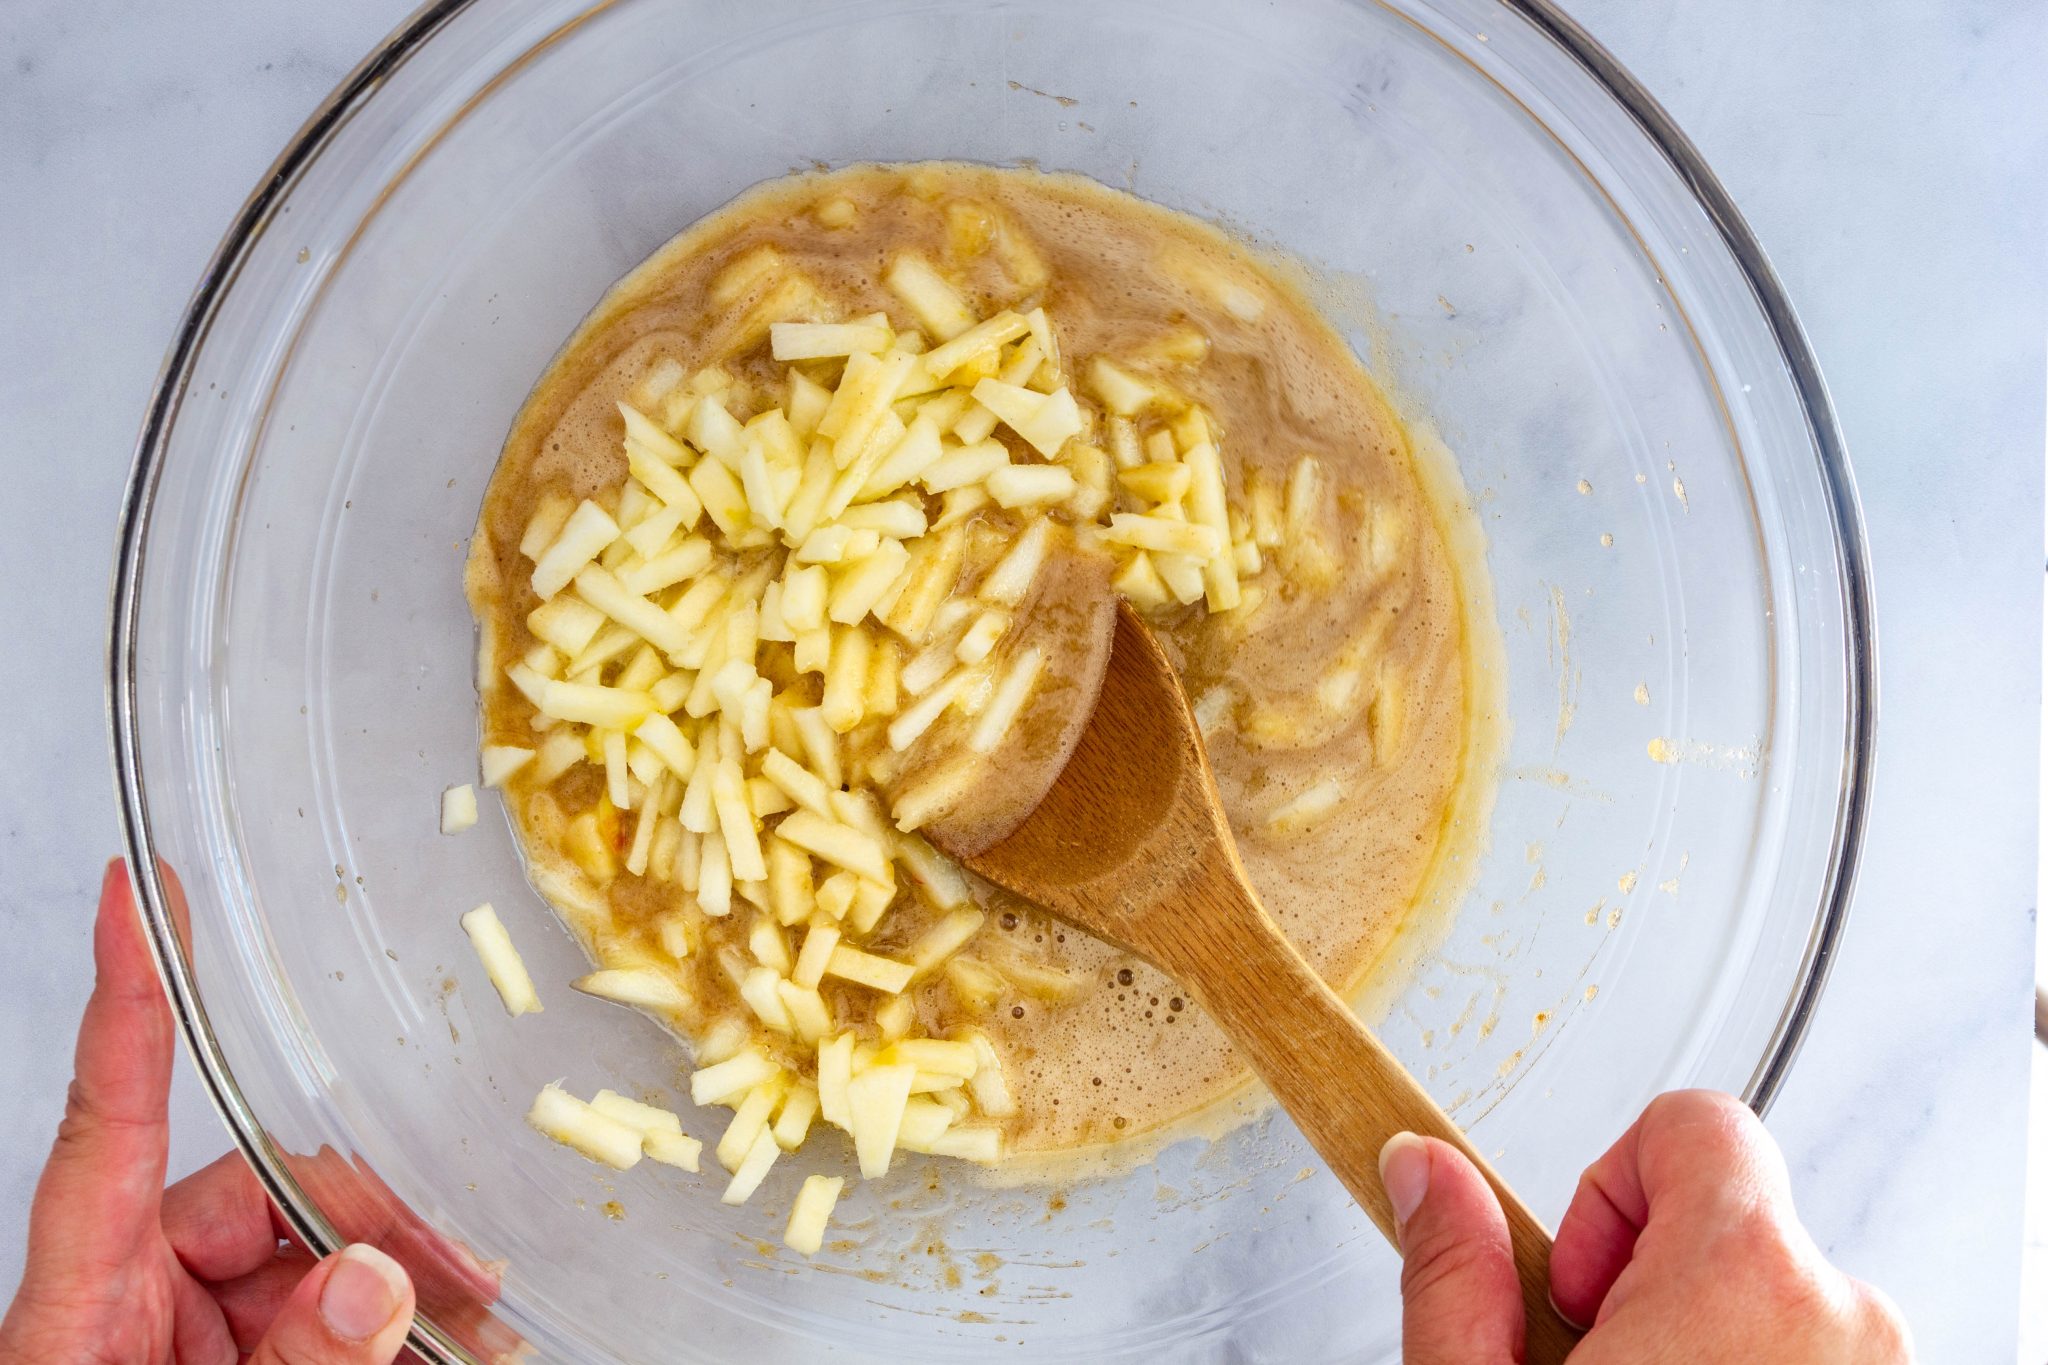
<point x="1126" y="1053"/>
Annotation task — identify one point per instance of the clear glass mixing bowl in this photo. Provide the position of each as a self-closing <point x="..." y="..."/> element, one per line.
<point x="1528" y="252"/>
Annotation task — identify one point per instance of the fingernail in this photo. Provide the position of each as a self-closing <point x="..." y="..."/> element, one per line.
<point x="362" y="1292"/>
<point x="1404" y="1172"/>
<point x="115" y="871"/>
<point x="1566" y="1318"/>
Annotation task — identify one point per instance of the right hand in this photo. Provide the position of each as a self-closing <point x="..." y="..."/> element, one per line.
<point x="1680" y="1245"/>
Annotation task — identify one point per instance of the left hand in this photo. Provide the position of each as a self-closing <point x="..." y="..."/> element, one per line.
<point x="121" y="1269"/>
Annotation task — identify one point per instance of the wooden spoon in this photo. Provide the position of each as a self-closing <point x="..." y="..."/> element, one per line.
<point x="1129" y="841"/>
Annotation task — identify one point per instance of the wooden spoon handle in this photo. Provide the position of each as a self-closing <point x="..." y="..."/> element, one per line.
<point x="1341" y="1087"/>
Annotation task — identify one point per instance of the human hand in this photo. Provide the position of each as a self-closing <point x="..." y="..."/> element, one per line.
<point x="1681" y="1244"/>
<point x="121" y="1269"/>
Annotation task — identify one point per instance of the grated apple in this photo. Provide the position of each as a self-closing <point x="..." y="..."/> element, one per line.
<point x="752" y="1170"/>
<point x="934" y="302"/>
<point x="561" y="1116"/>
<point x="645" y="1117"/>
<point x="502" y="963"/>
<point x="875" y="1101"/>
<point x="458" y="809"/>
<point x="673" y="1149"/>
<point x="868" y="969"/>
<point x="640" y="987"/>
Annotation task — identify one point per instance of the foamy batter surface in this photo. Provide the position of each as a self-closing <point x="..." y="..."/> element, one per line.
<point x="1349" y="674"/>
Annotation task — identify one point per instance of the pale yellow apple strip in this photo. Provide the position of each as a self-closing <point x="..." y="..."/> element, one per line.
<point x="1160" y="534"/>
<point x="583" y="537"/>
<point x="867" y="969"/>
<point x="639" y="987"/>
<point x="565" y="623"/>
<point x="928" y="295"/>
<point x="811" y="1214"/>
<point x="674" y="1149"/>
<point x="549" y="516"/>
<point x="458" y="809"/>
<point x="991" y="1089"/>
<point x="837" y="844"/>
<point x="502" y="963"/>
<point x="875" y="1101"/>
<point x="501" y="761"/>
<point x="644" y="431"/>
<point x="1008" y="701"/>
<point x="981" y="339"/>
<point x="736" y="1074"/>
<point x="1010" y="580"/>
<point x="603" y="590"/>
<point x="1030" y="485"/>
<point x="916" y="719"/>
<point x="561" y="1116"/>
<point x="828" y="340"/>
<point x="645" y="1117"/>
<point x="753" y="1170"/>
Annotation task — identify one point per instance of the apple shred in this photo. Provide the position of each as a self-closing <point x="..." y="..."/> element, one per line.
<point x="835" y="526"/>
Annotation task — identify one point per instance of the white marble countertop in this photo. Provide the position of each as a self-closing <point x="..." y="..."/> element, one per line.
<point x="1894" y="161"/>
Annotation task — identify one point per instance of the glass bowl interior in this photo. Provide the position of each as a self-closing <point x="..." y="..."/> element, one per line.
<point x="1505" y="232"/>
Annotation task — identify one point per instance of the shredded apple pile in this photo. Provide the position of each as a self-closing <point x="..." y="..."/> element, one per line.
<point x="806" y="622"/>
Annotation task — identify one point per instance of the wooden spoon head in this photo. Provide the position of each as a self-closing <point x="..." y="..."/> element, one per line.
<point x="1129" y="818"/>
<point x="1070" y="622"/>
<point x="1130" y="843"/>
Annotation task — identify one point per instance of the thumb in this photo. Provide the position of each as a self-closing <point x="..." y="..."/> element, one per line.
<point x="1460" y="1301"/>
<point x="99" y="1195"/>
<point x="351" y="1309"/>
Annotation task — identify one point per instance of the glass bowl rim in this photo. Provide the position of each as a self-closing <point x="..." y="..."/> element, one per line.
<point x="362" y="84"/>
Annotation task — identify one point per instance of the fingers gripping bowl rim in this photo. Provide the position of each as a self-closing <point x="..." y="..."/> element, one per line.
<point x="167" y="706"/>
